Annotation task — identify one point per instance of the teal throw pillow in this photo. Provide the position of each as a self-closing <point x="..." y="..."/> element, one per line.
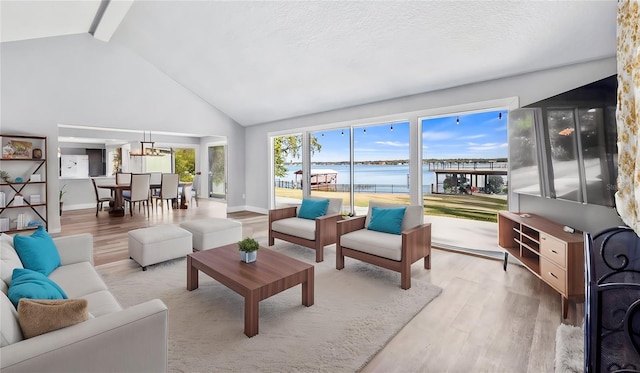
<point x="387" y="220"/>
<point x="37" y="252"/>
<point x="26" y="283"/>
<point x="313" y="208"/>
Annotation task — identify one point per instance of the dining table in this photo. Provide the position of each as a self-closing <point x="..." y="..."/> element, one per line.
<point x="116" y="207"/>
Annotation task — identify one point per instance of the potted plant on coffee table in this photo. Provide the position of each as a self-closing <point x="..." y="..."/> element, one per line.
<point x="248" y="249"/>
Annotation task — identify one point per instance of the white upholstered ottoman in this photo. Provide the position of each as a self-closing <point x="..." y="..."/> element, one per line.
<point x="159" y="243"/>
<point x="213" y="232"/>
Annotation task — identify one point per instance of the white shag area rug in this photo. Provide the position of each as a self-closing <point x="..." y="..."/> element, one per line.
<point x="357" y="310"/>
<point x="569" y="349"/>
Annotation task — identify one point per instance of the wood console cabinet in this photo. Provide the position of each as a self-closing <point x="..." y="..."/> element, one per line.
<point x="550" y="253"/>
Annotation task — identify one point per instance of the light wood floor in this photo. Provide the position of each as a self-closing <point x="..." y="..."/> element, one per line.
<point x="110" y="233"/>
<point x="485" y="320"/>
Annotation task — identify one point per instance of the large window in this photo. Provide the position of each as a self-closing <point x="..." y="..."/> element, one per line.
<point x="464" y="165"/>
<point x="185" y="163"/>
<point x="381" y="163"/>
<point x="330" y="174"/>
<point x="465" y="153"/>
<point x="364" y="162"/>
<point x="287" y="168"/>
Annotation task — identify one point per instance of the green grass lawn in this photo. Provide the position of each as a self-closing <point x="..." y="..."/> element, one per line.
<point x="482" y="207"/>
<point x="475" y="207"/>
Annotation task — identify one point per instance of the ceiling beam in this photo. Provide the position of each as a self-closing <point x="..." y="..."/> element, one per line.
<point x="108" y="17"/>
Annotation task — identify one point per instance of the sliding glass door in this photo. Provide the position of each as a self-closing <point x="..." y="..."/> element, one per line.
<point x="464" y="165"/>
<point x="217" y="181"/>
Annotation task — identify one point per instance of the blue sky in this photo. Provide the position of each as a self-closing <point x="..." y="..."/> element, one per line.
<point x="478" y="135"/>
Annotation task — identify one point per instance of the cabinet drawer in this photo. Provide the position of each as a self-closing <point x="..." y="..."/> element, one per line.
<point x="553" y="249"/>
<point x="553" y="275"/>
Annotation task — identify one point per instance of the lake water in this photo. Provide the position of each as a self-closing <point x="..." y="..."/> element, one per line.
<point x="382" y="176"/>
<point x="364" y="174"/>
<point x="386" y="178"/>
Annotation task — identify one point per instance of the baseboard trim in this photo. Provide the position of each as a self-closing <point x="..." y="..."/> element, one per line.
<point x="247" y="208"/>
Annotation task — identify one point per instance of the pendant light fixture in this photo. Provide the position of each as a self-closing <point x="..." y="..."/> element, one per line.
<point x="147" y="148"/>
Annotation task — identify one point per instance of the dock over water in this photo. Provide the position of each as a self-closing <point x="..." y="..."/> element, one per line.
<point x="478" y="177"/>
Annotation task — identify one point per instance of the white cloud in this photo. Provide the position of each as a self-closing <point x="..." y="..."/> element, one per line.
<point x="434" y="136"/>
<point x="471" y="137"/>
<point x="392" y="143"/>
<point x="487" y="146"/>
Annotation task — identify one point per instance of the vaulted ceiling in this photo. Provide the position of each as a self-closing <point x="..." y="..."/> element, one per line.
<point x="269" y="60"/>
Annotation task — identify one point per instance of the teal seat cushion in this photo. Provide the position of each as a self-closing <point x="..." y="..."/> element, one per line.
<point x="37" y="252"/>
<point x="387" y="220"/>
<point x="313" y="208"/>
<point x="26" y="283"/>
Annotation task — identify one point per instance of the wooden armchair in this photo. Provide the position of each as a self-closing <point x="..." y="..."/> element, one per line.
<point x="390" y="251"/>
<point x="284" y="224"/>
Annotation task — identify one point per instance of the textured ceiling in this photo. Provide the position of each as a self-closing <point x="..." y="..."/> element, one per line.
<point x="264" y="61"/>
<point x="269" y="60"/>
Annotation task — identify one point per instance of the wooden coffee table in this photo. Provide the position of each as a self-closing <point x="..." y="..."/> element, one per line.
<point x="269" y="275"/>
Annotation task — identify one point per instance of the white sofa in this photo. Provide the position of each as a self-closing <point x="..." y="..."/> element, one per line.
<point x="114" y="340"/>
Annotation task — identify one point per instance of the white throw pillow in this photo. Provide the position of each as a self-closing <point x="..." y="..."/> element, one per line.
<point x="9" y="259"/>
<point x="10" y="331"/>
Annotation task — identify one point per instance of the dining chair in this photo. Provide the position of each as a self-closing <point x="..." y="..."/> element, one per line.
<point x="123" y="178"/>
<point x="168" y="189"/>
<point x="139" y="191"/>
<point x="156" y="179"/>
<point x="99" y="199"/>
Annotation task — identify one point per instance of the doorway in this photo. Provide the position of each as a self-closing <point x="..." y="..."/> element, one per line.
<point x="217" y="181"/>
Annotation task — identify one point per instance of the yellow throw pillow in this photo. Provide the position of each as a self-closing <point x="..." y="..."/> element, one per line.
<point x="39" y="316"/>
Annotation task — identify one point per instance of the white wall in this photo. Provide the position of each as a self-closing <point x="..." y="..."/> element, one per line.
<point x="77" y="79"/>
<point x="529" y="88"/>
